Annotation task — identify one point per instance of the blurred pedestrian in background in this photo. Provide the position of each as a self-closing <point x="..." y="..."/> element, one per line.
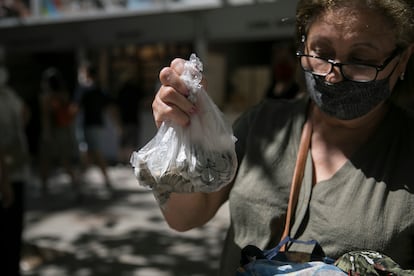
<point x="13" y="175"/>
<point x="93" y="104"/>
<point x="58" y="141"/>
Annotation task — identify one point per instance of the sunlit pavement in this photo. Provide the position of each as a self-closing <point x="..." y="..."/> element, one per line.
<point x="112" y="233"/>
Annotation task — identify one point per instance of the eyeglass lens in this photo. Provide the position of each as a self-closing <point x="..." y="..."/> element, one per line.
<point x="322" y="67"/>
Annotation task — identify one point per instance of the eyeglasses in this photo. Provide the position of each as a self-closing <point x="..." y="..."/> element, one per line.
<point x="351" y="71"/>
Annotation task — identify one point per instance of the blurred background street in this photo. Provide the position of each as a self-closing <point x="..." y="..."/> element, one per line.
<point x="111" y="233"/>
<point x="83" y="74"/>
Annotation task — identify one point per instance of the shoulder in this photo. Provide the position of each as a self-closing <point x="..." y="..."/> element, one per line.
<point x="268" y="120"/>
<point x="272" y="112"/>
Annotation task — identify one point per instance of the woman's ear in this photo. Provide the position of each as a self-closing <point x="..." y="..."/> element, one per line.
<point x="406" y="55"/>
<point x="405" y="58"/>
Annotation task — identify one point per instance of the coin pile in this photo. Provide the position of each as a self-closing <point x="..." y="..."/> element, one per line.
<point x="210" y="172"/>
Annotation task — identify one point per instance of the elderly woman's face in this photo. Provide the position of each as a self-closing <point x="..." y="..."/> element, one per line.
<point x="351" y="61"/>
<point x="352" y="35"/>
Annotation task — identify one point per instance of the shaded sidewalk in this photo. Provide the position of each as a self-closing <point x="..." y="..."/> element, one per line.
<point x="106" y="234"/>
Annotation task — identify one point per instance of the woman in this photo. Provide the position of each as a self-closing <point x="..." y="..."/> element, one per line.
<point x="357" y="191"/>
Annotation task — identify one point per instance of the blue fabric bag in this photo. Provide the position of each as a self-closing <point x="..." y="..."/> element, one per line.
<point x="257" y="262"/>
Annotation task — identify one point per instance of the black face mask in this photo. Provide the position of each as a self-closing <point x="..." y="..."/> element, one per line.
<point x="347" y="100"/>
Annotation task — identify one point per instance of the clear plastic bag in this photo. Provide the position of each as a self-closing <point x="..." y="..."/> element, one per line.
<point x="198" y="158"/>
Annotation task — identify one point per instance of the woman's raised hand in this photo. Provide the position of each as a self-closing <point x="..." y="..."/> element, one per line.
<point x="171" y="103"/>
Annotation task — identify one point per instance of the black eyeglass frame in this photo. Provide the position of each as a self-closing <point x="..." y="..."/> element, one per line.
<point x="333" y="63"/>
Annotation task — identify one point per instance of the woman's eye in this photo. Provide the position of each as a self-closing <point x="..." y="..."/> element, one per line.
<point x="323" y="54"/>
<point x="364" y="57"/>
<point x="321" y="49"/>
<point x="357" y="60"/>
<point x="360" y="60"/>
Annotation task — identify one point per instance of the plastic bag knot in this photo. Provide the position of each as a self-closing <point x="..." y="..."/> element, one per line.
<point x="192" y="76"/>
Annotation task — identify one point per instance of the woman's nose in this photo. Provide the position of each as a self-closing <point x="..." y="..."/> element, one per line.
<point x="335" y="75"/>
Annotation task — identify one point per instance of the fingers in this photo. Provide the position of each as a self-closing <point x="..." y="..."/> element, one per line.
<point x="170" y="76"/>
<point x="171" y="103"/>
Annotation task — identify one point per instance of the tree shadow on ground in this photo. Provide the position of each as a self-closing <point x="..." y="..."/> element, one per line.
<point x="102" y="249"/>
<point x="133" y="254"/>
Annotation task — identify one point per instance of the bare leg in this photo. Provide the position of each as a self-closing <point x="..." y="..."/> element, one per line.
<point x="74" y="177"/>
<point x="101" y="163"/>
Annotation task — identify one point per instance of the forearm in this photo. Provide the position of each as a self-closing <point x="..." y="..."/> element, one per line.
<point x="186" y="211"/>
<point x="189" y="210"/>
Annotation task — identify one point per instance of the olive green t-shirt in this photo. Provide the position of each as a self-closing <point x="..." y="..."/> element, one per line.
<point x="367" y="204"/>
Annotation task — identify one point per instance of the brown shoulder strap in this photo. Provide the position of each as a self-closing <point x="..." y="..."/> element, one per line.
<point x="297" y="176"/>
